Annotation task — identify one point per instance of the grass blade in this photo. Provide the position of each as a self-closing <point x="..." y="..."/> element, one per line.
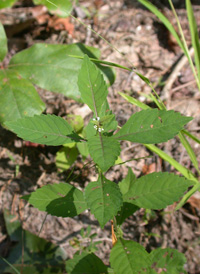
<point x="164" y="20"/>
<point x="194" y="35"/>
<point x="16" y="271"/>
<point x="191" y="136"/>
<point x="189" y="150"/>
<point x="184" y="171"/>
<point x="186" y="50"/>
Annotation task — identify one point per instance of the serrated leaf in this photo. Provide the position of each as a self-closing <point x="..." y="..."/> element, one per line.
<point x="152" y="126"/>
<point x="105" y="111"/>
<point x="129" y="257"/>
<point x="86" y="263"/>
<point x="65" y="157"/>
<point x="167" y="261"/>
<point x="126" y="211"/>
<point x="6" y="3"/>
<point x="50" y="66"/>
<point x="104" y="199"/>
<point x="18" y="97"/>
<point x="62" y="200"/>
<point x="44" y="129"/>
<point x="62" y="8"/>
<point x="126" y="184"/>
<point x="157" y="190"/>
<point x="92" y="86"/>
<point x="3" y="42"/>
<point x="103" y="150"/>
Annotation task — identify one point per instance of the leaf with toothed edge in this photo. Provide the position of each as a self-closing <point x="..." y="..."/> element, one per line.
<point x="103" y="150"/>
<point x="92" y="86"/>
<point x="62" y="200"/>
<point x="86" y="263"/>
<point x="168" y="259"/>
<point x="18" y="97"/>
<point x="104" y="199"/>
<point x="44" y="129"/>
<point x="129" y="257"/>
<point x="152" y="126"/>
<point x="156" y="190"/>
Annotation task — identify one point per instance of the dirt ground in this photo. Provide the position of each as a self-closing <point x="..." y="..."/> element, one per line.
<point x="144" y="42"/>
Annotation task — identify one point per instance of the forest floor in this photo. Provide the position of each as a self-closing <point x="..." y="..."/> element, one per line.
<point x="147" y="44"/>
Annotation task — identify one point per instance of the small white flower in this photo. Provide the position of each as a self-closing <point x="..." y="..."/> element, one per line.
<point x="98" y="118"/>
<point x="95" y="126"/>
<point x="94" y="119"/>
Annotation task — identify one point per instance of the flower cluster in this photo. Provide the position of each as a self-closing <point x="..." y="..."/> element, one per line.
<point x="98" y="127"/>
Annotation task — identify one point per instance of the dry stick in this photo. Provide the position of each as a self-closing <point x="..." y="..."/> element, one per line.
<point x="184" y="85"/>
<point x="174" y="74"/>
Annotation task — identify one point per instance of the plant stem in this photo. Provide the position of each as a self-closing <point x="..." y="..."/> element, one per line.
<point x="185" y="44"/>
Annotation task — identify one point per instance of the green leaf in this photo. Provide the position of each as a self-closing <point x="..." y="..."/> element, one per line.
<point x="103" y="150"/>
<point x="65" y="157"/>
<point x="127" y="208"/>
<point x="51" y="68"/>
<point x="126" y="211"/>
<point x="111" y="124"/>
<point x="39" y="256"/>
<point x="6" y="3"/>
<point x="128" y="182"/>
<point x="58" y="200"/>
<point x="129" y="257"/>
<point x="18" y="97"/>
<point x="62" y="8"/>
<point x="3" y="42"/>
<point x="86" y="263"/>
<point x="134" y="101"/>
<point x="167" y="261"/>
<point x="92" y="86"/>
<point x="104" y="199"/>
<point x="76" y="122"/>
<point x="157" y="190"/>
<point x="194" y="35"/>
<point x="44" y="129"/>
<point x="152" y="126"/>
<point x="143" y="78"/>
<point x="83" y="149"/>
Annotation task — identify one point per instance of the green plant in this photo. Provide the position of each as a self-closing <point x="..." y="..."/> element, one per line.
<point x="18" y="96"/>
<point x="105" y="199"/>
<point x="38" y="256"/>
<point x="86" y="243"/>
<point x="181" y="39"/>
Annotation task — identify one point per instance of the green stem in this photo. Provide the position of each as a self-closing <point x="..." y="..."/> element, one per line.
<point x="184" y="171"/>
<point x="195" y="188"/>
<point x="110" y="64"/>
<point x="185" y="45"/>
